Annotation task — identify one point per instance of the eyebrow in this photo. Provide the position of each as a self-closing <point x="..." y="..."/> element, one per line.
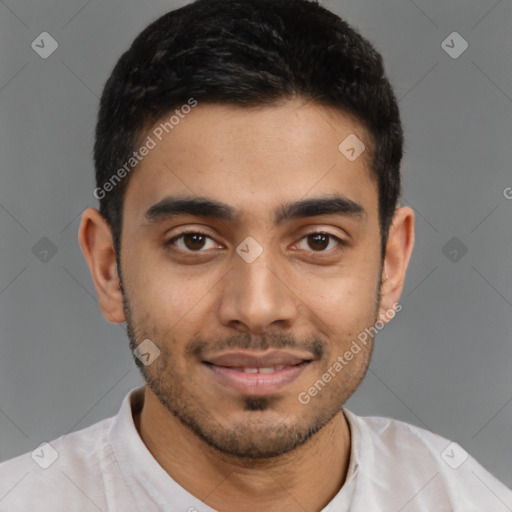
<point x="198" y="206"/>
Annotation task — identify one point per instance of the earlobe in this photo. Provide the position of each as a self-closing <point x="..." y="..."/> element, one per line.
<point x="95" y="239"/>
<point x="398" y="253"/>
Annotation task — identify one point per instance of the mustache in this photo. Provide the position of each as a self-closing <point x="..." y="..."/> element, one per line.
<point x="198" y="346"/>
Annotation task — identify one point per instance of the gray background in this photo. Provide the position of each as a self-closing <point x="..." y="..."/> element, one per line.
<point x="444" y="361"/>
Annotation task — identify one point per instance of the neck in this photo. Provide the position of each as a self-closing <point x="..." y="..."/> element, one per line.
<point x="307" y="478"/>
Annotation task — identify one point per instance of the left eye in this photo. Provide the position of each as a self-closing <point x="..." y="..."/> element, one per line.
<point x="193" y="241"/>
<point x="320" y="238"/>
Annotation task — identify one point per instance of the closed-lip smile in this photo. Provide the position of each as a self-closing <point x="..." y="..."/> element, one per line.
<point x="257" y="373"/>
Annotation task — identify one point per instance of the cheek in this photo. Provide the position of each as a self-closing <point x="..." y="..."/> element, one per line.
<point x="166" y="293"/>
<point x="344" y="309"/>
<point x="347" y="293"/>
<point x="157" y="287"/>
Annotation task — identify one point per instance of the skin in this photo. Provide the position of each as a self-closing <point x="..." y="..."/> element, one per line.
<point x="283" y="456"/>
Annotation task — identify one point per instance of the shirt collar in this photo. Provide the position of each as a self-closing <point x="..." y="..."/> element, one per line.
<point x="137" y="463"/>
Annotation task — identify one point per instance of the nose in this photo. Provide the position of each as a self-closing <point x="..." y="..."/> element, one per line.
<point x="258" y="295"/>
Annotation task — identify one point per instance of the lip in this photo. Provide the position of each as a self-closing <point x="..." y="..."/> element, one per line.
<point x="257" y="384"/>
<point x="252" y="359"/>
<point x="227" y="369"/>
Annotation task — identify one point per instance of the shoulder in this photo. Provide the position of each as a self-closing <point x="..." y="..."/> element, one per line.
<point x="65" y="470"/>
<point x="389" y="432"/>
<point x="412" y="458"/>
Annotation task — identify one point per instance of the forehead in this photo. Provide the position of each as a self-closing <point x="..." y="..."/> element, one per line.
<point x="255" y="160"/>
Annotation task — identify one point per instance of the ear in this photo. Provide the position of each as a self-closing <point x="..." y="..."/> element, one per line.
<point x="95" y="238"/>
<point x="398" y="253"/>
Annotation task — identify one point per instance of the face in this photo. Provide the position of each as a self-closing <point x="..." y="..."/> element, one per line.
<point x="252" y="297"/>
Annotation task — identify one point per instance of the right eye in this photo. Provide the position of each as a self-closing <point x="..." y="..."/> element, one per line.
<point x="192" y="241"/>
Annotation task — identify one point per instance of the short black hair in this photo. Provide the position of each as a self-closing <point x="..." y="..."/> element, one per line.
<point x="247" y="53"/>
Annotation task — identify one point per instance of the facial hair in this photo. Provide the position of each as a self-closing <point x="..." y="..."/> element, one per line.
<point x="255" y="439"/>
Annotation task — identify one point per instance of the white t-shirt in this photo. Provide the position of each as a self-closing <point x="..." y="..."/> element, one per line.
<point x="393" y="467"/>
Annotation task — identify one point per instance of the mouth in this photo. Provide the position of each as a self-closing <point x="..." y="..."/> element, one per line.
<point x="257" y="374"/>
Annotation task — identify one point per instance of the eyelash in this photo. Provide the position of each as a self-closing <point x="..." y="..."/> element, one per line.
<point x="169" y="243"/>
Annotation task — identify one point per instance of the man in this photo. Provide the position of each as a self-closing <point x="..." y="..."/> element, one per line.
<point x="247" y="163"/>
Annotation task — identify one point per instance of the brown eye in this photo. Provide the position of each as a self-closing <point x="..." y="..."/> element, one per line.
<point x="320" y="241"/>
<point x="194" y="241"/>
<point x="191" y="241"/>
